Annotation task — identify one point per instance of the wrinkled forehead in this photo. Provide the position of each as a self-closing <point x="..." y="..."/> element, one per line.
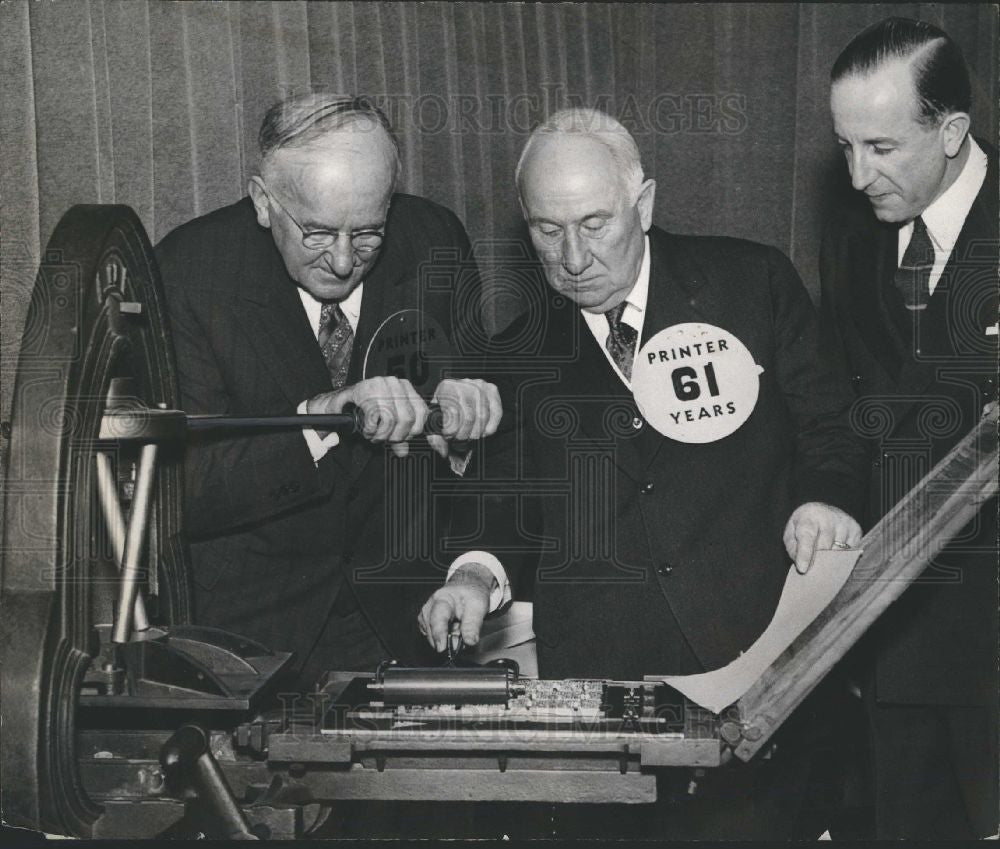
<point x="570" y="175"/>
<point x="345" y="174"/>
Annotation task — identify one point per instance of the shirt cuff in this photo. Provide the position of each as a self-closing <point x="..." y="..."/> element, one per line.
<point x="318" y="445"/>
<point x="501" y="594"/>
<point x="458" y="464"/>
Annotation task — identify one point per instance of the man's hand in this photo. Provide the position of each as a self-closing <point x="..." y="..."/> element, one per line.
<point x="394" y="412"/>
<point x="466" y="597"/>
<point x="471" y="410"/>
<point x="815" y="525"/>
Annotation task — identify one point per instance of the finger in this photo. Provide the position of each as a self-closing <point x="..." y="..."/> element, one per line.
<point x="472" y="620"/>
<point x="788" y="538"/>
<point x="496" y="410"/>
<point x="826" y="536"/>
<point x="418" y="408"/>
<point x="439" y="620"/>
<point x="385" y="420"/>
<point x="443" y="397"/>
<point x="805" y="536"/>
<point x="854" y="535"/>
<point x="481" y="406"/>
<point x="469" y="414"/>
<point x="438" y="444"/>
<point x="403" y="412"/>
<point x="423" y="621"/>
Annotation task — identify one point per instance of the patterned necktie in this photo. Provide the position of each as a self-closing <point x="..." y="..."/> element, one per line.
<point x="913" y="277"/>
<point x="621" y="340"/>
<point x="336" y="338"/>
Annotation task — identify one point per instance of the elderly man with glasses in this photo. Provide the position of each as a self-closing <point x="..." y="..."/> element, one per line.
<point x="310" y="541"/>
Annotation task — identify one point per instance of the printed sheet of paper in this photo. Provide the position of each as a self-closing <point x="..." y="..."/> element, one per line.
<point x="803" y="598"/>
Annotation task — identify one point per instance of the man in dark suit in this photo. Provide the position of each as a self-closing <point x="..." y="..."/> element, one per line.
<point x="273" y="302"/>
<point x="650" y="554"/>
<point x="909" y="277"/>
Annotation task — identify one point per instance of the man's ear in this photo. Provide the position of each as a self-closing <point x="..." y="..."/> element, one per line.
<point x="954" y="129"/>
<point x="645" y="203"/>
<point x="259" y="198"/>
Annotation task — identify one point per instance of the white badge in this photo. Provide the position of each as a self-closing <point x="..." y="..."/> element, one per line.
<point x="695" y="382"/>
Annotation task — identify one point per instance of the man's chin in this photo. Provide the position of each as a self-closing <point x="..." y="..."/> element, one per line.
<point x="889" y="212"/>
<point x="329" y="289"/>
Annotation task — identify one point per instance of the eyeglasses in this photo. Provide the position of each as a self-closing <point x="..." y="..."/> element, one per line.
<point x="364" y="242"/>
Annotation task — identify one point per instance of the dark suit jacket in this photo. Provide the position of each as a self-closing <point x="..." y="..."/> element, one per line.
<point x="272" y="535"/>
<point x="917" y="396"/>
<point x="638" y="531"/>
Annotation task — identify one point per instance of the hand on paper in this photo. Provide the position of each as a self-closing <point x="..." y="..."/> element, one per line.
<point x="815" y="525"/>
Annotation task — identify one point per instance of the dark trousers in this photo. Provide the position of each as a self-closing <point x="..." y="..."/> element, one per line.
<point x="934" y="771"/>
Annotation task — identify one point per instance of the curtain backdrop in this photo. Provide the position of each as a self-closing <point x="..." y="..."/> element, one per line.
<point x="157" y="105"/>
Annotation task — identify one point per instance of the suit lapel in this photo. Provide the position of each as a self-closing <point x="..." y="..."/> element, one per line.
<point x="378" y="302"/>
<point x="677" y="294"/>
<point x="270" y="310"/>
<point x="604" y="406"/>
<point x="873" y="268"/>
<point x="964" y="301"/>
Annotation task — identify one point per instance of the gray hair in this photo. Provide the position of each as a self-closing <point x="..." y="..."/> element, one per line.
<point x="601" y="127"/>
<point x="301" y="120"/>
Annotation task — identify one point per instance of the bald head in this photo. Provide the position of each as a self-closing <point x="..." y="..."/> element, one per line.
<point x="356" y="160"/>
<point x="598" y="127"/>
<point x="586" y="218"/>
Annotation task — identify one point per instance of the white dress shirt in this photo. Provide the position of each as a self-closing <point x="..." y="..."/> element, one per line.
<point x="945" y="217"/>
<point x="633" y="315"/>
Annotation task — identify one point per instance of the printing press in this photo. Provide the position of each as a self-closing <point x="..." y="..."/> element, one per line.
<point x="124" y="719"/>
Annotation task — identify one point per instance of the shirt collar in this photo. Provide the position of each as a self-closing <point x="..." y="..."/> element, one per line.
<point x="945" y="217"/>
<point x="635" y="301"/>
<point x="350" y="307"/>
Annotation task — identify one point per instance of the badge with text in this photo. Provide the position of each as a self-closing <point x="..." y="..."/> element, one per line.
<point x="409" y="344"/>
<point x="695" y="382"/>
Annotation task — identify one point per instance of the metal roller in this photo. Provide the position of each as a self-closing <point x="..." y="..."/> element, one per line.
<point x="395" y="685"/>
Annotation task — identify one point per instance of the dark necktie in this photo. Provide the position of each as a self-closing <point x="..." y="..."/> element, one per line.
<point x="913" y="277"/>
<point x="621" y="340"/>
<point x="336" y="338"/>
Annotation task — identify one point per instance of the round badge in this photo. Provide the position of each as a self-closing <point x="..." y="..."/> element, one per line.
<point x="695" y="382"/>
<point x="409" y="344"/>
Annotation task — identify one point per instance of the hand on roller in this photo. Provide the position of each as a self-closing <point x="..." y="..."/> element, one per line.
<point x="465" y="599"/>
<point x="471" y="410"/>
<point x="394" y="411"/>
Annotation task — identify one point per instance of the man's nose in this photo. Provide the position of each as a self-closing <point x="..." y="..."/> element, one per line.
<point x="576" y="256"/>
<point x="862" y="173"/>
<point x="342" y="256"/>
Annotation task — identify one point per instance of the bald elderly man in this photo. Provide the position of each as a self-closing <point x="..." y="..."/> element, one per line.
<point x="673" y="558"/>
<point x="273" y="302"/>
